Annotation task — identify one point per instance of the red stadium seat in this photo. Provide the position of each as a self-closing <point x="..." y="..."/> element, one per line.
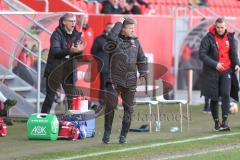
<point x="162" y="2"/>
<point x="82" y="5"/>
<point x="3" y="5"/>
<point x="91" y="8"/>
<point x="185" y="2"/>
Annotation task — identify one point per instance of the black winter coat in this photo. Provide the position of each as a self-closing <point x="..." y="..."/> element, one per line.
<point x="59" y="51"/>
<point x="126" y="57"/>
<point x="208" y="53"/>
<point x="98" y="51"/>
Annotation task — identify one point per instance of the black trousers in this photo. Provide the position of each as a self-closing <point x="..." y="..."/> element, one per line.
<point x="207" y="103"/>
<point x="127" y="96"/>
<point x="52" y="85"/>
<point x="103" y="79"/>
<point x="224" y="89"/>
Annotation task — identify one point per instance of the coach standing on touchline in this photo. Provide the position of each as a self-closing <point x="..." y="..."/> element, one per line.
<point x="219" y="55"/>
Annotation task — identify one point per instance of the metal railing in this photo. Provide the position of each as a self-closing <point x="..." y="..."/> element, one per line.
<point x="46" y="4"/>
<point x="26" y="48"/>
<point x="39" y="57"/>
<point x="17" y="59"/>
<point x="18" y="6"/>
<point x="175" y="12"/>
<point x="96" y="3"/>
<point x="38" y="24"/>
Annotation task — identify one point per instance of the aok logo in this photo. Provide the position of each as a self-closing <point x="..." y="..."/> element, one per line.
<point x="39" y="130"/>
<point x="55" y="126"/>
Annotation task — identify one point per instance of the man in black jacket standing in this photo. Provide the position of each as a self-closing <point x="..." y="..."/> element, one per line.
<point x="65" y="43"/>
<point x="219" y="55"/>
<point x="126" y="57"/>
<point x="98" y="51"/>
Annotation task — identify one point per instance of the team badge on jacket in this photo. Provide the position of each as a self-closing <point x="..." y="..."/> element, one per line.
<point x="133" y="43"/>
<point x="227" y="43"/>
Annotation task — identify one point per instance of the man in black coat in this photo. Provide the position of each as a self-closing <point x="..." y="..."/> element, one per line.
<point x="98" y="51"/>
<point x="219" y="55"/>
<point x="65" y="43"/>
<point x="126" y="57"/>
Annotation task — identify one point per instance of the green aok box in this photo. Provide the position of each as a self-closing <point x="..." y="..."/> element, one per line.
<point x="42" y="126"/>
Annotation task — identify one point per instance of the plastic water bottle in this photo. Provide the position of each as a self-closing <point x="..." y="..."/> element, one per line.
<point x="174" y="129"/>
<point x="158" y="126"/>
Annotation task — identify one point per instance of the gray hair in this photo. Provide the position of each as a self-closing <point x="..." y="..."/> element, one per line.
<point x="67" y="15"/>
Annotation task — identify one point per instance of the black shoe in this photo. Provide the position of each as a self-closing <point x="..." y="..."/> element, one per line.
<point x="3" y="113"/>
<point x="217" y="126"/>
<point x="9" y="103"/>
<point x="105" y="140"/>
<point x="8" y="121"/>
<point x="206" y="110"/>
<point x="99" y="109"/>
<point x="122" y="139"/>
<point x="224" y="127"/>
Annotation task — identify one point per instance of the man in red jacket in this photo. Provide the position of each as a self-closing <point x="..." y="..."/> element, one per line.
<point x="219" y="55"/>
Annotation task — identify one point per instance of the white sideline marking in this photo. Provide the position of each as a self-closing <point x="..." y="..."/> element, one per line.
<point x="201" y="153"/>
<point x="146" y="146"/>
